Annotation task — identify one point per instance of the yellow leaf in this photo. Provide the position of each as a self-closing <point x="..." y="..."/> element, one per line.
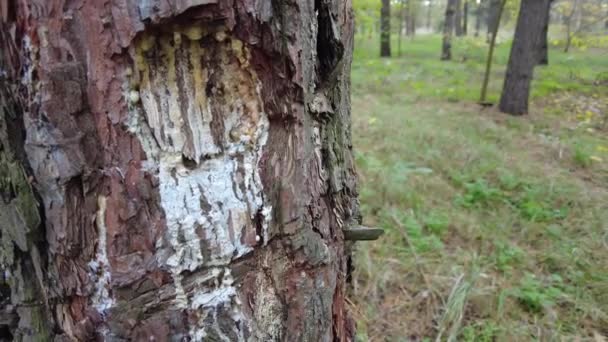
<point x="597" y="159"/>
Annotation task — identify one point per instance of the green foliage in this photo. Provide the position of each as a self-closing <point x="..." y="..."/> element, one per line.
<point x="535" y="295"/>
<point x="507" y="256"/>
<point x="480" y="332"/>
<point x="479" y="193"/>
<point x="581" y="157"/>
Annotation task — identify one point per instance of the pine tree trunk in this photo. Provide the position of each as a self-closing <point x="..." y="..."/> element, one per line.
<point x="523" y="58"/>
<point x="175" y="171"/>
<point x="385" y="29"/>
<point x="543" y="57"/>
<point x="448" y="28"/>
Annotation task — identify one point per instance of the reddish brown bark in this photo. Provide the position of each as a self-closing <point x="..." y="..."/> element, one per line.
<point x="193" y="164"/>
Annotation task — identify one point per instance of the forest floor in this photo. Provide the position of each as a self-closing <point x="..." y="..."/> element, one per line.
<point x="496" y="226"/>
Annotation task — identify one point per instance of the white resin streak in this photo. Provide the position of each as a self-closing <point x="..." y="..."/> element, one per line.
<point x="231" y="192"/>
<point x="100" y="266"/>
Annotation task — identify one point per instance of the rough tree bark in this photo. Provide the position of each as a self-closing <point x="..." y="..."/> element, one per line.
<point x="523" y="57"/>
<point x="543" y="53"/>
<point x="385" y="29"/>
<point x="448" y="28"/>
<point x="458" y="18"/>
<point x="175" y="170"/>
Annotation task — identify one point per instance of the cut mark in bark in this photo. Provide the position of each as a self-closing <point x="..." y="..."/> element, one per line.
<point x="210" y="185"/>
<point x="329" y="46"/>
<point x="101" y="299"/>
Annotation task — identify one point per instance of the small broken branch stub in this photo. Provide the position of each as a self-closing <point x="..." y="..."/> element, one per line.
<point x="362" y="233"/>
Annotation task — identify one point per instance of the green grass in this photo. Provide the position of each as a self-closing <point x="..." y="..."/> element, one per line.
<point x="422" y="74"/>
<point x="496" y="226"/>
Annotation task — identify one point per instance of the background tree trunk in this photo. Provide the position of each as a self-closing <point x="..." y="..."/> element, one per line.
<point x="448" y="28"/>
<point x="465" y="21"/>
<point x="492" y="9"/>
<point x="543" y="57"/>
<point x="385" y="29"/>
<point x="410" y="19"/>
<point x="479" y="13"/>
<point x="175" y="172"/>
<point x="429" y="11"/>
<point x="458" y="18"/>
<point x="523" y="58"/>
<point x="402" y="15"/>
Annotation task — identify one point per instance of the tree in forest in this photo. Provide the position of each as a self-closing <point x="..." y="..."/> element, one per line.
<point x="175" y="170"/>
<point x="458" y="28"/>
<point x="479" y="14"/>
<point x="543" y="52"/>
<point x="581" y="17"/>
<point x="448" y="28"/>
<point x="429" y="12"/>
<point x="465" y="18"/>
<point x="523" y="57"/>
<point x="492" y="9"/>
<point x="411" y="12"/>
<point x="490" y="58"/>
<point x="385" y="29"/>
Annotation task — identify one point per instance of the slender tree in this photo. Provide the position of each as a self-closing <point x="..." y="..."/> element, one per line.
<point x="569" y="21"/>
<point x="523" y="58"/>
<point x="490" y="57"/>
<point x="429" y="12"/>
<point x="448" y="28"/>
<point x="171" y="171"/>
<point x="401" y="19"/>
<point x="465" y="20"/>
<point x="479" y="13"/>
<point x="410" y="18"/>
<point x="385" y="29"/>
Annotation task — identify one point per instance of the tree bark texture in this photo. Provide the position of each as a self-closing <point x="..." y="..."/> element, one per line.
<point x="543" y="53"/>
<point x="448" y="29"/>
<point x="523" y="57"/>
<point x="175" y="170"/>
<point x="385" y="29"/>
